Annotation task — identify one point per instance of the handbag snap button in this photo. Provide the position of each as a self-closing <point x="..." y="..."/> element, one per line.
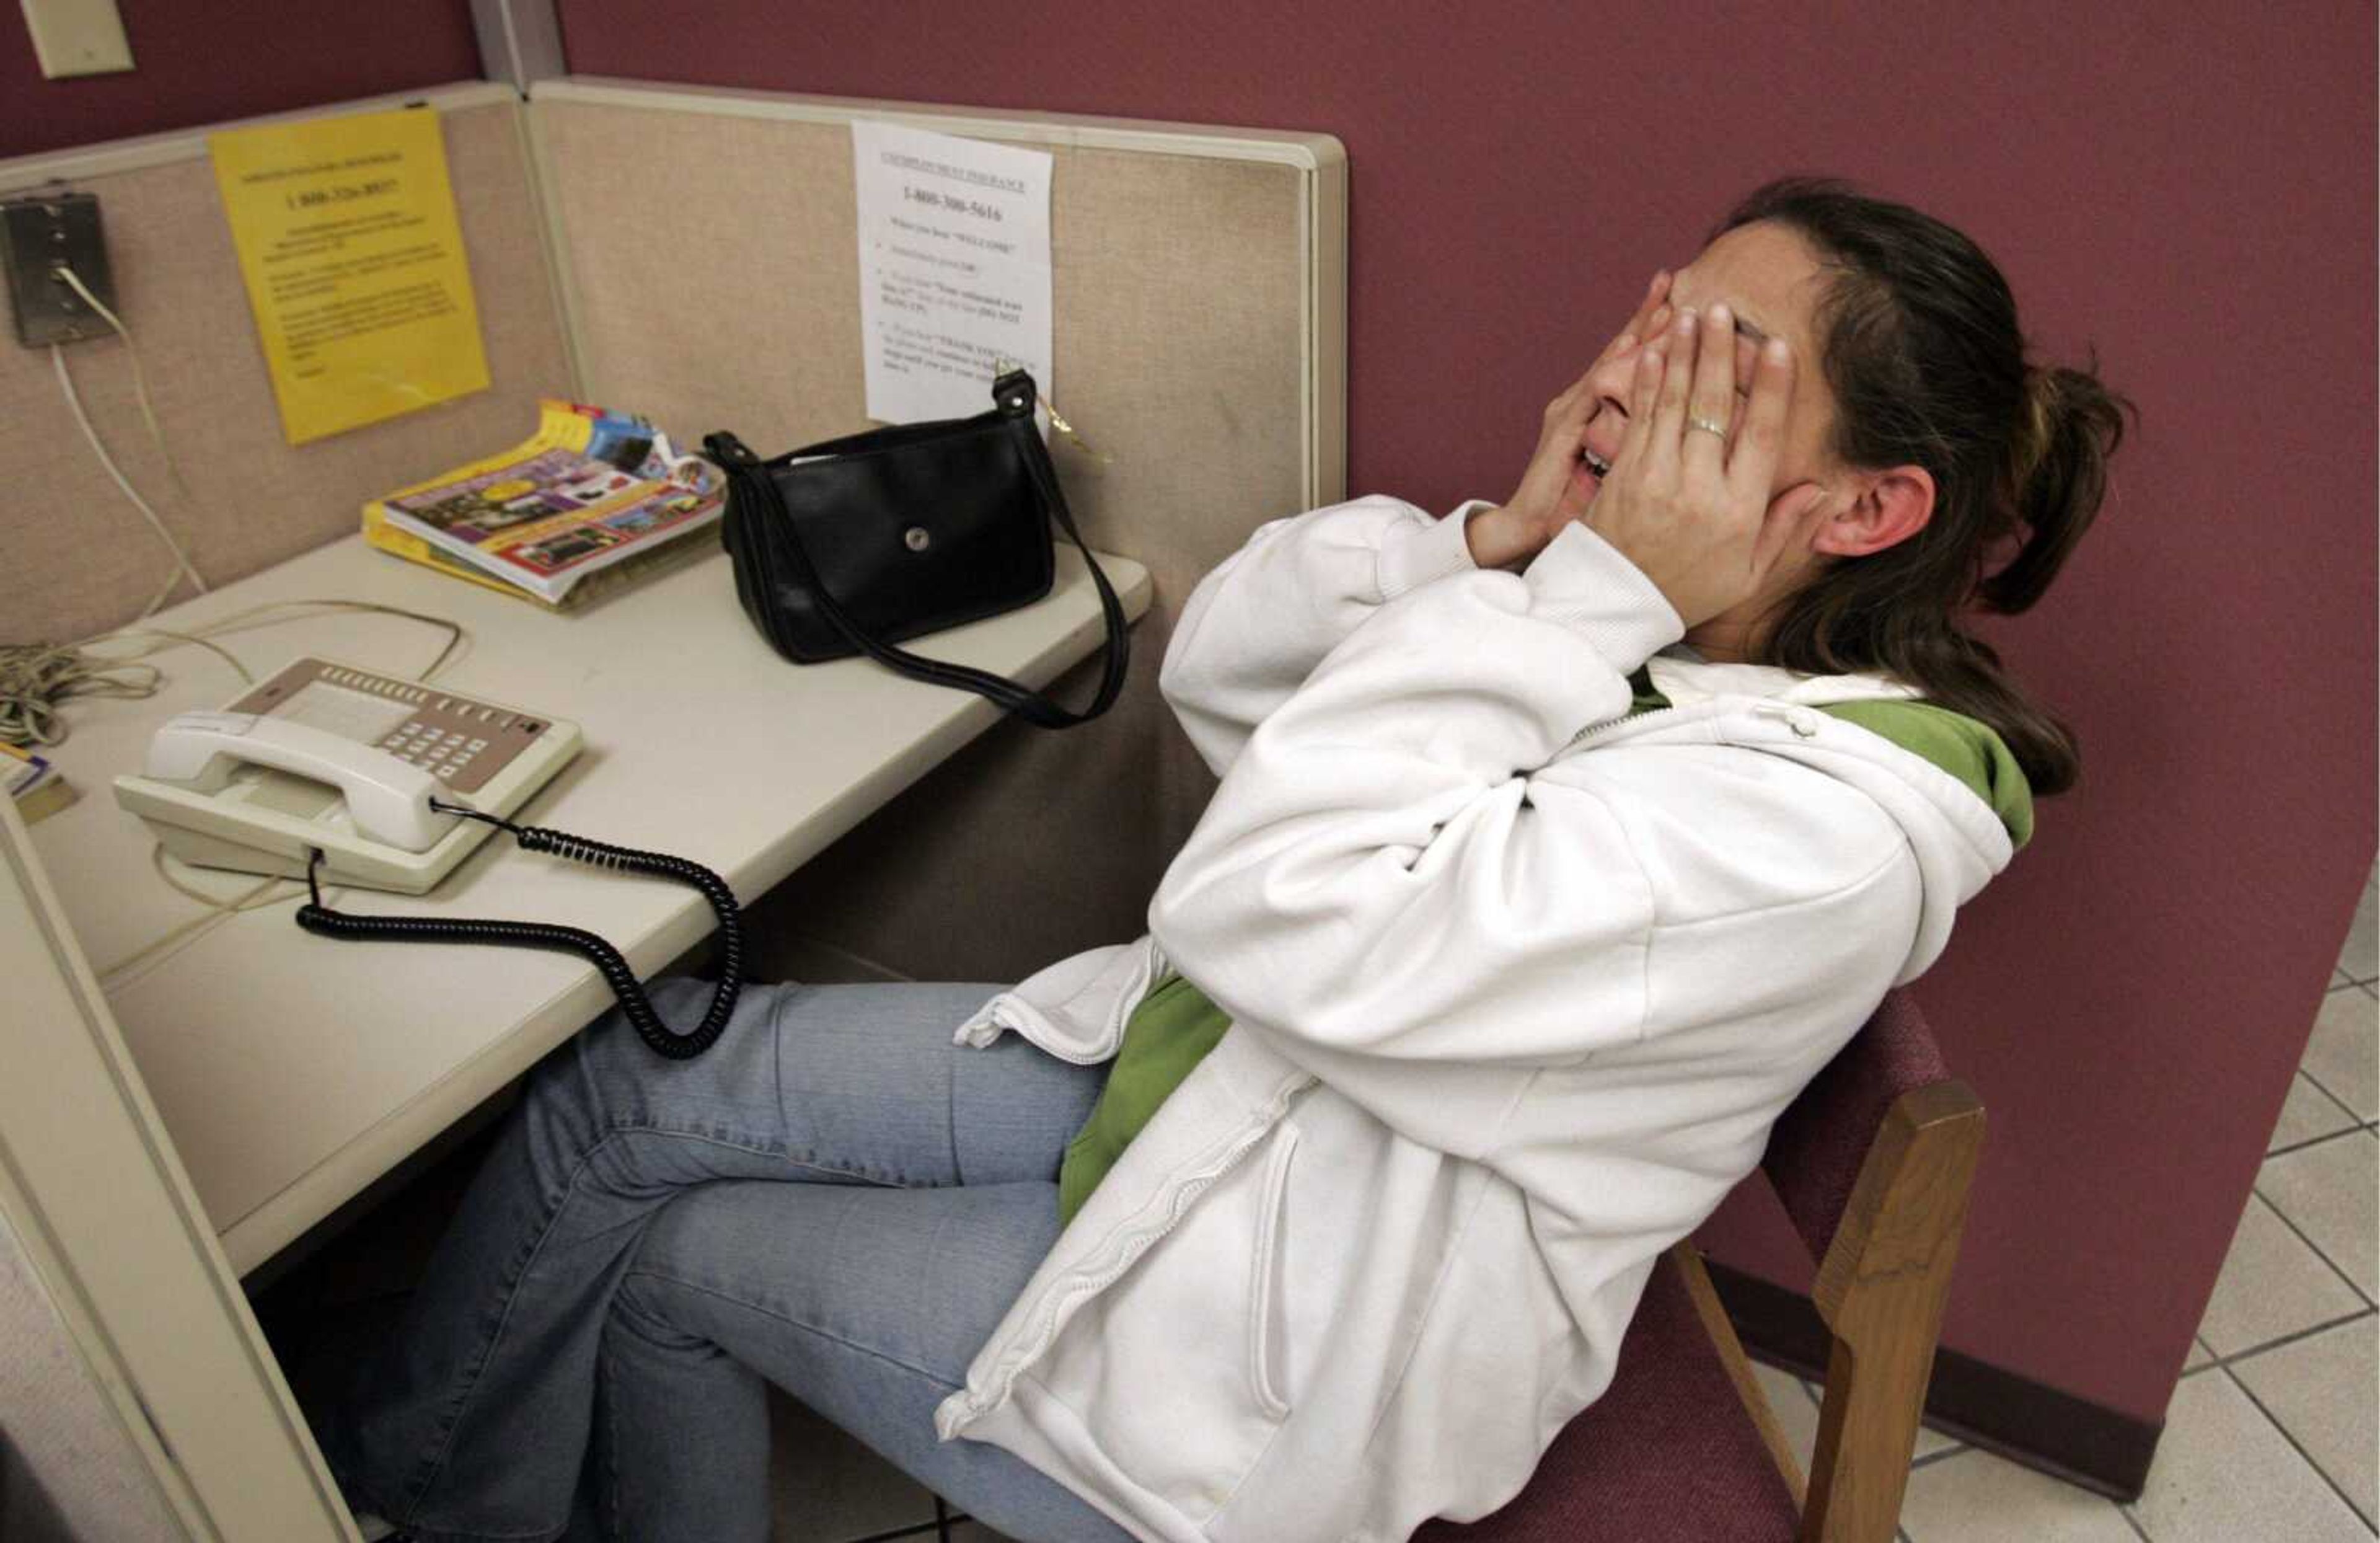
<point x="916" y="538"/>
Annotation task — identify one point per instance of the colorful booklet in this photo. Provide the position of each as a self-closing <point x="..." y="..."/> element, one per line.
<point x="591" y="491"/>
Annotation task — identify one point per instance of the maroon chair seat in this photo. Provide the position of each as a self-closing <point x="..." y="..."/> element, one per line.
<point x="1666" y="1452"/>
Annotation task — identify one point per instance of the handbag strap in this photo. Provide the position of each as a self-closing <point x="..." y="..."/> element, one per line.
<point x="748" y="478"/>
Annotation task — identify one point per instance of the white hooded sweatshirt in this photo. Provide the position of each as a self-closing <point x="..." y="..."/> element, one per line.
<point x="1517" y="988"/>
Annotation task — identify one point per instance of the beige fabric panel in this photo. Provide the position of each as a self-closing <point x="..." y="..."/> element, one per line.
<point x="67" y="1467"/>
<point x="1179" y="338"/>
<point x="78" y="559"/>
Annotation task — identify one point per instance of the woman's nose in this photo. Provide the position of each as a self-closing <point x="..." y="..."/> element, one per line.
<point x="1611" y="385"/>
<point x="1611" y="378"/>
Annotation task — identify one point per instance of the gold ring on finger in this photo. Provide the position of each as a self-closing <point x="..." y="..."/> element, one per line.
<point x="1707" y="427"/>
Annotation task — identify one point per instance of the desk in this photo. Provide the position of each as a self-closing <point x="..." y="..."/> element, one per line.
<point x="291" y="1071"/>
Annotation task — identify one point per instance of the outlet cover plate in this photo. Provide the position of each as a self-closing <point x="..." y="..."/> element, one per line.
<point x="37" y="234"/>
<point x="78" y="37"/>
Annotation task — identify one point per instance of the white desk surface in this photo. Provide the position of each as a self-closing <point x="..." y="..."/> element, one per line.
<point x="290" y="1070"/>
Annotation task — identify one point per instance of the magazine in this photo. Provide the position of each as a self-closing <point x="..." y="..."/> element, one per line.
<point x="590" y="489"/>
<point x="651" y="562"/>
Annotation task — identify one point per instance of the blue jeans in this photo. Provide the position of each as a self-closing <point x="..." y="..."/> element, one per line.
<point x="835" y="1199"/>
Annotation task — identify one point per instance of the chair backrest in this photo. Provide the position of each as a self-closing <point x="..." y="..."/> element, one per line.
<point x="1823" y="1139"/>
<point x="1874" y="1162"/>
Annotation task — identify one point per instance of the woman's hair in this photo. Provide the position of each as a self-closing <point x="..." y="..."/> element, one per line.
<point x="1921" y="348"/>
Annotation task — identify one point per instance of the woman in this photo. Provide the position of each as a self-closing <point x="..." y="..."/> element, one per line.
<point x="1527" y="901"/>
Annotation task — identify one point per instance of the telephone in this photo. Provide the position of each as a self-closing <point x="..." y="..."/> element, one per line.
<point x="325" y="757"/>
<point x="327" y="772"/>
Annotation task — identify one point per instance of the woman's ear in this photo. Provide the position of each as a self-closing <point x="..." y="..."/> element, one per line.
<point x="1886" y="508"/>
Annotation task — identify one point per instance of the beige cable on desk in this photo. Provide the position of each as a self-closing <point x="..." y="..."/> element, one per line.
<point x="34" y="678"/>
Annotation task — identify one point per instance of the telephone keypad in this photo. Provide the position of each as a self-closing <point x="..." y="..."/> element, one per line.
<point x="462" y="742"/>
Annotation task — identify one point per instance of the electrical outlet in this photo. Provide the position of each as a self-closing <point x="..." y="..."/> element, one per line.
<point x="40" y="236"/>
<point x="78" y="37"/>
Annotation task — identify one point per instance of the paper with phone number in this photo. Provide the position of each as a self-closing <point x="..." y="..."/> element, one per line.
<point x="354" y="263"/>
<point x="953" y="269"/>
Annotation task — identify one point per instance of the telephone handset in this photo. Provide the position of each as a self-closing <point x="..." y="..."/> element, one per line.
<point x="328" y="771"/>
<point x="387" y="798"/>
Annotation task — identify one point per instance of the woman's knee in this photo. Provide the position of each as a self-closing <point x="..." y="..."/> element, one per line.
<point x="640" y="1310"/>
<point x="604" y="1071"/>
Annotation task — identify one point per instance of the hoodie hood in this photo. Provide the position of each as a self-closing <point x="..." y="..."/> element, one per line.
<point x="1949" y="781"/>
<point x="1968" y="749"/>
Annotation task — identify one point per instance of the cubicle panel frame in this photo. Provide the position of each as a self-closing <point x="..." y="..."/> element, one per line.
<point x="28" y="173"/>
<point x="107" y="1217"/>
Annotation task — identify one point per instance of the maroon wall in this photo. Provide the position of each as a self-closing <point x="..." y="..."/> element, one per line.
<point x="2188" y="186"/>
<point x="202" y="61"/>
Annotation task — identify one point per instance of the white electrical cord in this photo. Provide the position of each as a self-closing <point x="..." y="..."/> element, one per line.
<point x="184" y="568"/>
<point x="140" y="376"/>
<point x="181" y="558"/>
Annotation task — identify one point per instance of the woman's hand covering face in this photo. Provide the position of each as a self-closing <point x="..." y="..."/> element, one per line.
<point x="1692" y="509"/>
<point x="1556" y="488"/>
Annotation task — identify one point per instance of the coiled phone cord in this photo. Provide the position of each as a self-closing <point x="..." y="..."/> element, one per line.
<point x="316" y="918"/>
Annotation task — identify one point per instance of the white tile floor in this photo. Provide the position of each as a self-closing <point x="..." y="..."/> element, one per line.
<point x="2271" y="1433"/>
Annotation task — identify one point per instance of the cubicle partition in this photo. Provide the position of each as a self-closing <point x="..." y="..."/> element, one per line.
<point x="1199" y="297"/>
<point x="213" y="1091"/>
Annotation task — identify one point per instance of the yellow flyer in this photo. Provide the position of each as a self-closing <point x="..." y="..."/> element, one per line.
<point x="354" y="264"/>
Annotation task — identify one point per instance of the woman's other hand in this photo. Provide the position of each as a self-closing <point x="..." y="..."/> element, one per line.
<point x="1549" y="496"/>
<point x="1690" y="507"/>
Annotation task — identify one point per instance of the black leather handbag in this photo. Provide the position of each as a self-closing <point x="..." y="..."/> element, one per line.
<point x="855" y="544"/>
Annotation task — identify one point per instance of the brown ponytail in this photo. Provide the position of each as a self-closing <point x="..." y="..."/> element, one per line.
<point x="1921" y="352"/>
<point x="2072" y="425"/>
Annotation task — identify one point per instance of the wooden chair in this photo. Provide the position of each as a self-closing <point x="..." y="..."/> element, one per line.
<point x="1873" y="1163"/>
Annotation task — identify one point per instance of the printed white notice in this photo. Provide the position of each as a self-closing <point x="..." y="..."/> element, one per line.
<point x="954" y="268"/>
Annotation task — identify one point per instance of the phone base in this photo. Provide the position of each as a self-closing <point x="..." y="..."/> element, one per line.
<point x="346" y="860"/>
